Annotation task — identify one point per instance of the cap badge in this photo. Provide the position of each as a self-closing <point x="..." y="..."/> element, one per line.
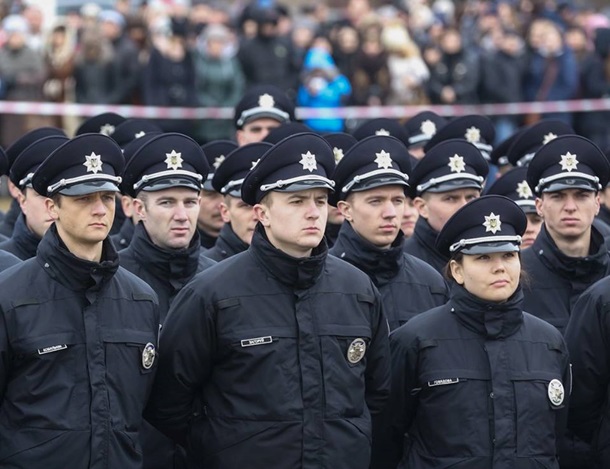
<point x="473" y="135"/>
<point x="456" y="163"/>
<point x="148" y="356"/>
<point x="524" y="191"/>
<point x="556" y="392"/>
<point x="218" y="161"/>
<point x="266" y="100"/>
<point x="308" y="161"/>
<point x="254" y="163"/>
<point x="382" y="132"/>
<point x="338" y="152"/>
<point x="548" y="137"/>
<point x="492" y="223"/>
<point x="140" y="134"/>
<point x="107" y="129"/>
<point x="383" y="159"/>
<point x="356" y="350"/>
<point x="428" y="128"/>
<point x="173" y="160"/>
<point x="93" y="163"/>
<point x="568" y="162"/>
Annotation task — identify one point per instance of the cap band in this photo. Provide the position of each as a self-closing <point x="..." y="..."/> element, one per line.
<point x="179" y="172"/>
<point x="462" y="243"/>
<point x="418" y="139"/>
<point x="230" y="185"/>
<point x="503" y="161"/>
<point x="281" y="183"/>
<point x="449" y="177"/>
<point x="26" y="180"/>
<point x="525" y="203"/>
<point x="567" y="175"/>
<point x="525" y="160"/>
<point x="261" y="110"/>
<point x="90" y="177"/>
<point x="370" y="174"/>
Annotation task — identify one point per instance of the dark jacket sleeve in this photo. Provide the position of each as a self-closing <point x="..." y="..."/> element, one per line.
<point x="186" y="348"/>
<point x="587" y="335"/>
<point x="4" y="358"/>
<point x="391" y="426"/>
<point x="378" y="364"/>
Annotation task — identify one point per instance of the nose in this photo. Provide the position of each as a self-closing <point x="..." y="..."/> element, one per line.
<point x="99" y="208"/>
<point x="570" y="204"/>
<point x="180" y="212"/>
<point x="389" y="210"/>
<point x="313" y="211"/>
<point x="498" y="265"/>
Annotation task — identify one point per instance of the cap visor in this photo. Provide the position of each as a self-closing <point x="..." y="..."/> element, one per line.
<point x="90" y="187"/>
<point x="270" y="113"/>
<point x="378" y="182"/>
<point x="488" y="248"/>
<point x="173" y="182"/>
<point x="305" y="185"/>
<point x="573" y="183"/>
<point x="454" y="185"/>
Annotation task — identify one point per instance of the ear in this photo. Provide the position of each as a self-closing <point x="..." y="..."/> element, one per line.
<point x="345" y="209"/>
<point x="51" y="209"/>
<point x="127" y="205"/>
<point x="597" y="203"/>
<point x="262" y="214"/>
<point x="139" y="209"/>
<point x="539" y="203"/>
<point x="225" y="213"/>
<point x="21" y="198"/>
<point x="457" y="272"/>
<point x="422" y="207"/>
<point x="13" y="189"/>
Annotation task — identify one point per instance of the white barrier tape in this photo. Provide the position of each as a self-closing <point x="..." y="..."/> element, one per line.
<point x="358" y="112"/>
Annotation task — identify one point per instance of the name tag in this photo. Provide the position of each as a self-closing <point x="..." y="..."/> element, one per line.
<point x="443" y="382"/>
<point x="257" y="341"/>
<point x="51" y="349"/>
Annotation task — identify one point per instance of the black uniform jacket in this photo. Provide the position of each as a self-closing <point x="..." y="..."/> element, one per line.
<point x="471" y="388"/>
<point x="77" y="342"/>
<point x="287" y="357"/>
<point x="227" y="244"/>
<point x="165" y="270"/>
<point x="587" y="338"/>
<point x="408" y="286"/>
<point x="421" y="245"/>
<point x="207" y="241"/>
<point x="556" y="280"/>
<point x="122" y="239"/>
<point x="23" y="243"/>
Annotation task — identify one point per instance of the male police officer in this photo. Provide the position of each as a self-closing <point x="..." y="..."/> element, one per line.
<point x="449" y="176"/>
<point x="164" y="177"/>
<point x="285" y="348"/>
<point x="34" y="220"/>
<point x="239" y="217"/>
<point x="78" y="333"/>
<point x="370" y="183"/>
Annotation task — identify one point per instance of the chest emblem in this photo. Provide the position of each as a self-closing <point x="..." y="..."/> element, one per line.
<point x="356" y="350"/>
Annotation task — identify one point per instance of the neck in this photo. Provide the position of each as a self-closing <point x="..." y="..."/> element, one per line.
<point x="91" y="252"/>
<point x="578" y="247"/>
<point x="213" y="232"/>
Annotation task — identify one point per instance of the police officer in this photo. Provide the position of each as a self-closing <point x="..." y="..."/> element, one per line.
<point x="370" y="183"/>
<point x="6" y="259"/>
<point x="514" y="186"/>
<point x="104" y="123"/>
<point x="569" y="254"/>
<point x="587" y="338"/>
<point x="476" y="129"/>
<point x="420" y="129"/>
<point x="477" y="383"/>
<point x="528" y="141"/>
<point x="238" y="216"/>
<point x="262" y="108"/>
<point x="164" y="177"/>
<point x="210" y="220"/>
<point x="34" y="220"/>
<point x="78" y="334"/>
<point x="285" y="347"/>
<point x="450" y="175"/>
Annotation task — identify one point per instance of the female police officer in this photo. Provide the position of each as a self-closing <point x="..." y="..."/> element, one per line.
<point x="477" y="382"/>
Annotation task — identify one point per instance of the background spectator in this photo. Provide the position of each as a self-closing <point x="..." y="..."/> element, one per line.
<point x="94" y="76"/>
<point x="371" y="77"/>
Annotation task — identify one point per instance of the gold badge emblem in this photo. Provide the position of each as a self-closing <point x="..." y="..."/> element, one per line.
<point x="457" y="164"/>
<point x="173" y="160"/>
<point x="356" y="350"/>
<point x="473" y="135"/>
<point x="148" y="356"/>
<point x="266" y="100"/>
<point x="93" y="163"/>
<point x="556" y="392"/>
<point x="383" y="159"/>
<point x="523" y="190"/>
<point x="338" y="153"/>
<point x="492" y="223"/>
<point x="382" y="132"/>
<point x="428" y="128"/>
<point x="107" y="129"/>
<point x="308" y="160"/>
<point x="569" y="162"/>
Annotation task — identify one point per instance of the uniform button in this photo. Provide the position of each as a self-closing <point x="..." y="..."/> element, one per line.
<point x="46" y="265"/>
<point x="492" y="395"/>
<point x="493" y="442"/>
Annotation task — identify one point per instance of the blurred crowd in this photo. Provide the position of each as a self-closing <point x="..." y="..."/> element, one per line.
<point x="362" y="53"/>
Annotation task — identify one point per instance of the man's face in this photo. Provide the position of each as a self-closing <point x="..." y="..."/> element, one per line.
<point x="294" y="221"/>
<point x="438" y="207"/>
<point x="210" y="220"/>
<point x="83" y="220"/>
<point x="534" y="224"/>
<point x="569" y="213"/>
<point x="376" y="214"/>
<point x="241" y="216"/>
<point x="169" y="216"/>
<point x="256" y="130"/>
<point x="33" y="206"/>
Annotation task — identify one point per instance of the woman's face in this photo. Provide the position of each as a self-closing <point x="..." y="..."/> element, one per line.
<point x="491" y="277"/>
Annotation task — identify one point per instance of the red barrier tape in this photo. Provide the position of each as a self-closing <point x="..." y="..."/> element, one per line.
<point x="360" y="112"/>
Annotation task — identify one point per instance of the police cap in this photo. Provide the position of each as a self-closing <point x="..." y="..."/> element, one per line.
<point x="230" y="175"/>
<point x="263" y="101"/>
<point x="340" y="142"/>
<point x="285" y="130"/>
<point x="476" y="129"/>
<point x="422" y="127"/>
<point x="13" y="151"/>
<point x="382" y="126"/>
<point x="133" y="129"/>
<point x="28" y="161"/>
<point x="492" y="223"/>
<point x="514" y="185"/>
<point x="299" y="162"/>
<point x="85" y="164"/>
<point x="104" y="123"/>
<point x="216" y="152"/>
<point x="531" y="139"/>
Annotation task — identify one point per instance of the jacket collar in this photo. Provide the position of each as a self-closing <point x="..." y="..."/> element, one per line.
<point x="25" y="240"/>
